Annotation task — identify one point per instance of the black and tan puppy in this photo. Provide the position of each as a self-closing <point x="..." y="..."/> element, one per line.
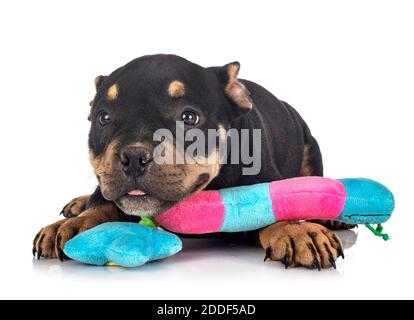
<point x="154" y="92"/>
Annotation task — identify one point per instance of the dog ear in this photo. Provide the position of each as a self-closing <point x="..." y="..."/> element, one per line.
<point x="98" y="82"/>
<point x="234" y="89"/>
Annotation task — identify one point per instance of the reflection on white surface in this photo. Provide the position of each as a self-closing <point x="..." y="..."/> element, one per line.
<point x="215" y="268"/>
<point x="200" y="254"/>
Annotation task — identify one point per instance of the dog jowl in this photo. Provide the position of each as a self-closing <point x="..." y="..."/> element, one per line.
<point x="153" y="93"/>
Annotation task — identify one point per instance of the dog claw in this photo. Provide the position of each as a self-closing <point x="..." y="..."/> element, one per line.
<point x="331" y="257"/>
<point x="62" y="212"/>
<point x="339" y="249"/>
<point x="34" y="252"/>
<point x="39" y="253"/>
<point x="285" y="261"/>
<point x="341" y="252"/>
<point x="268" y="254"/>
<point x="60" y="255"/>
<point x="316" y="264"/>
<point x="332" y="262"/>
<point x="59" y="249"/>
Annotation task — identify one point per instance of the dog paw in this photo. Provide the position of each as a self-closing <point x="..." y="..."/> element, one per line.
<point x="44" y="242"/>
<point x="304" y="244"/>
<point x="75" y="207"/>
<point x="50" y="241"/>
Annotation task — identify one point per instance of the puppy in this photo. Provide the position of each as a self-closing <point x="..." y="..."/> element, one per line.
<point x="154" y="92"/>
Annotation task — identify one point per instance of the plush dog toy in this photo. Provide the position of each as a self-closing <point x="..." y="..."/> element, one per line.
<point x="353" y="201"/>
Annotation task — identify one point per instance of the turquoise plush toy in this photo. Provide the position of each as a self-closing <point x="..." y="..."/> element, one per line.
<point x="122" y="243"/>
<point x="353" y="201"/>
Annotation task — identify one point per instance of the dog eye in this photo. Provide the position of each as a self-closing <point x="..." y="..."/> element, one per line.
<point x="190" y="118"/>
<point x="104" y="118"/>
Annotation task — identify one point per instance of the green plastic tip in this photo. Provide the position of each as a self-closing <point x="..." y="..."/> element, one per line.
<point x="149" y="222"/>
<point x="378" y="231"/>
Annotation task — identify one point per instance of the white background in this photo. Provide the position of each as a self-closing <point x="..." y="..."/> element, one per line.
<point x="346" y="66"/>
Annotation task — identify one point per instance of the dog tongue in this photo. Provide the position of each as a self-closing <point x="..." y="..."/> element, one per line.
<point x="136" y="192"/>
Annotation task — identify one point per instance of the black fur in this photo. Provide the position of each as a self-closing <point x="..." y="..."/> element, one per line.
<point x="143" y="106"/>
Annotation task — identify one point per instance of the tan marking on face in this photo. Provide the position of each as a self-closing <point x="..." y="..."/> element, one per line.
<point x="104" y="164"/>
<point x="112" y="92"/>
<point x="187" y="171"/>
<point x="306" y="168"/>
<point x="105" y="167"/>
<point x="209" y="165"/>
<point x="176" y="89"/>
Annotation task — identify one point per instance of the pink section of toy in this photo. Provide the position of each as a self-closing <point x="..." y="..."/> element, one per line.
<point x="307" y="198"/>
<point x="201" y="213"/>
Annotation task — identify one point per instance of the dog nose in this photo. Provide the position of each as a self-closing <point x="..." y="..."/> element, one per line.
<point x="135" y="160"/>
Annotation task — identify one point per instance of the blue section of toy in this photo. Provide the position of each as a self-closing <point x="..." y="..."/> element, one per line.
<point x="125" y="244"/>
<point x="247" y="208"/>
<point x="367" y="200"/>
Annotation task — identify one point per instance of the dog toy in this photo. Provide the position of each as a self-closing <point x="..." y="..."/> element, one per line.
<point x="245" y="208"/>
<point x="353" y="201"/>
<point x="124" y="244"/>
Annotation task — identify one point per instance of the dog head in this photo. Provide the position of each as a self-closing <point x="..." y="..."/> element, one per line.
<point x="148" y="94"/>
